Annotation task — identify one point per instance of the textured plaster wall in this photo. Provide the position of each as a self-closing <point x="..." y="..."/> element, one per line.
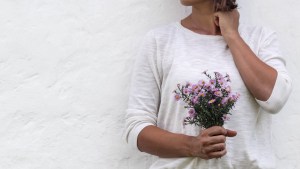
<point x="65" y="67"/>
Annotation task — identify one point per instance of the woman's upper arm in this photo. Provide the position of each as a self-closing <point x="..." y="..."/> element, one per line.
<point x="270" y="53"/>
<point x="144" y="95"/>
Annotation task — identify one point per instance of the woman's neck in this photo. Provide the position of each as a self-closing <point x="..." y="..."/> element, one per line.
<point x="202" y="19"/>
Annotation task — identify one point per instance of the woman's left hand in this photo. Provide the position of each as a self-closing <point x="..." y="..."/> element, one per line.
<point x="228" y="22"/>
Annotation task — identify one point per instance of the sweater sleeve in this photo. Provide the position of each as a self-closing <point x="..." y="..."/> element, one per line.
<point x="270" y="53"/>
<point x="144" y="95"/>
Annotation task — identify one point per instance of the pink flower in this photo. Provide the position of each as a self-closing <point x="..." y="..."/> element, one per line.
<point x="177" y="97"/>
<point x="218" y="93"/>
<point x="201" y="94"/>
<point x="197" y="90"/>
<point x="222" y="82"/>
<point x="195" y="100"/>
<point x="192" y="113"/>
<point x="201" y="82"/>
<point x="194" y="87"/>
<point x="208" y="86"/>
<point x="224" y="100"/>
<point x="186" y="91"/>
<point x="212" y="82"/>
<point x="228" y="89"/>
<point x="234" y="97"/>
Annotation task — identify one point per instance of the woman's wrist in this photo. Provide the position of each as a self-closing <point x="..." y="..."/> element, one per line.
<point x="186" y="145"/>
<point x="191" y="150"/>
<point x="231" y="36"/>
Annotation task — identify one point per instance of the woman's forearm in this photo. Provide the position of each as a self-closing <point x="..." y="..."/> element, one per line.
<point x="156" y="141"/>
<point x="210" y="143"/>
<point x="258" y="76"/>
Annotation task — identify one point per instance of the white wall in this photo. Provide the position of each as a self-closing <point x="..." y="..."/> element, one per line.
<point x="65" y="67"/>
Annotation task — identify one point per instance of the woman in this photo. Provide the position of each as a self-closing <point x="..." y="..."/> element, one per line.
<point x="212" y="39"/>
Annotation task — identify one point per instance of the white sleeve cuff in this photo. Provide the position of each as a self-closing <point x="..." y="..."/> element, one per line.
<point x="133" y="136"/>
<point x="279" y="96"/>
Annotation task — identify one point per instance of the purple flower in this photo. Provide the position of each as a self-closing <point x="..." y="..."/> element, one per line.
<point x="192" y="113"/>
<point x="222" y="82"/>
<point x="201" y="83"/>
<point x="197" y="90"/>
<point x="201" y="94"/>
<point x="212" y="82"/>
<point x="234" y="97"/>
<point x="218" y="93"/>
<point x="208" y="86"/>
<point x="195" y="100"/>
<point x="228" y="89"/>
<point x="177" y="97"/>
<point x="224" y="100"/>
<point x="185" y="91"/>
<point x="194" y="87"/>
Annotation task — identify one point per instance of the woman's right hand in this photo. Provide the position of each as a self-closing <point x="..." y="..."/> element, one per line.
<point x="211" y="143"/>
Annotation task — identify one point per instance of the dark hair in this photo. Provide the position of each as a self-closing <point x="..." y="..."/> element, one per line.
<point x="225" y="5"/>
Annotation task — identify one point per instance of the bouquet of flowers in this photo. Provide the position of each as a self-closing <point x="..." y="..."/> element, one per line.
<point x="209" y="102"/>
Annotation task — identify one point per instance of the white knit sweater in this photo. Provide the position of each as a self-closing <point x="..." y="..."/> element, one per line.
<point x="173" y="54"/>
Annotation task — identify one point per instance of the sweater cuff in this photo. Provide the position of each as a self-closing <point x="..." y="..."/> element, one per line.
<point x="133" y="136"/>
<point x="279" y="96"/>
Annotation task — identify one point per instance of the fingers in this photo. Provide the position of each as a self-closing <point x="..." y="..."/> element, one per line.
<point x="231" y="133"/>
<point x="233" y="14"/>
<point x="216" y="130"/>
<point x="214" y="148"/>
<point x="212" y="142"/>
<point x="215" y="145"/>
<point x="217" y="154"/>
<point x="235" y="11"/>
<point x="214" y="151"/>
<point x="216" y="140"/>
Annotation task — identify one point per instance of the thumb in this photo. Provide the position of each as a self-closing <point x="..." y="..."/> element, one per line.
<point x="231" y="133"/>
